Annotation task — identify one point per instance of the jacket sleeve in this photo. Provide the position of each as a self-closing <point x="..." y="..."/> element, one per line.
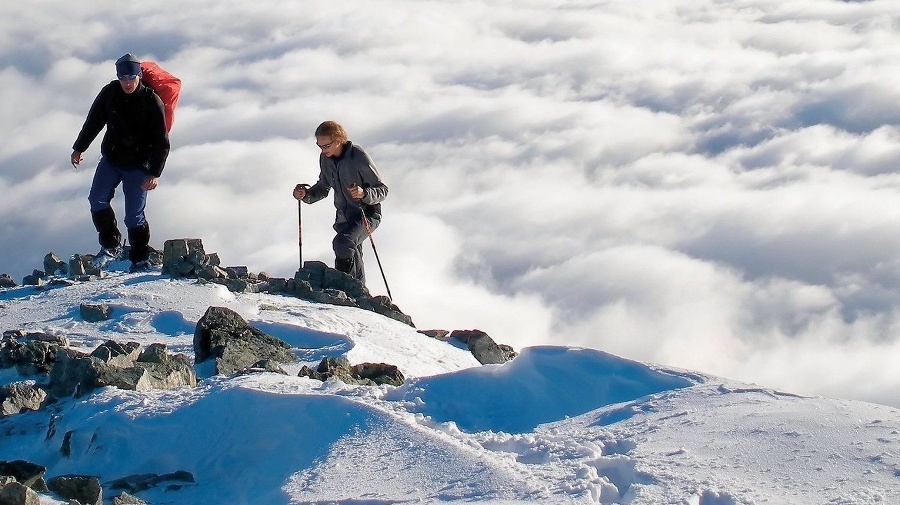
<point x="159" y="139"/>
<point x="95" y="121"/>
<point x="376" y="190"/>
<point x="320" y="189"/>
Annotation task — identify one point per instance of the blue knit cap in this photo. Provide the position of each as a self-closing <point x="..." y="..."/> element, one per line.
<point x="128" y="65"/>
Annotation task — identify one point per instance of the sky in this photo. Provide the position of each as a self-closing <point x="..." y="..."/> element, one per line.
<point x="556" y="425"/>
<point x="707" y="185"/>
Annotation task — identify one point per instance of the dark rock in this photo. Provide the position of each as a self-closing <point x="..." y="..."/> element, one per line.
<point x="66" y="447"/>
<point x="94" y="313"/>
<point x="483" y="347"/>
<point x="379" y="373"/>
<point x="19" y="396"/>
<point x="85" y="489"/>
<point x="30" y="353"/>
<point x="26" y="473"/>
<point x="127" y="499"/>
<point x="364" y="374"/>
<point x="77" y="266"/>
<point x="442" y="335"/>
<point x="223" y="334"/>
<point x="123" y="366"/>
<point x="142" y="482"/>
<point x="239" y="272"/>
<point x="166" y="371"/>
<point x="37" y="278"/>
<point x="73" y="373"/>
<point x="17" y="494"/>
<point x="116" y="354"/>
<point x="265" y="365"/>
<point x="7" y="282"/>
<point x="183" y="257"/>
<point x="133" y="378"/>
<point x="53" y="265"/>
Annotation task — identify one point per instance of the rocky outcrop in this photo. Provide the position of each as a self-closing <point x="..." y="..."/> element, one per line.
<point x="187" y="258"/>
<point x="26" y="473"/>
<point x="19" y="396"/>
<point x="137" y="483"/>
<point x="223" y="335"/>
<point x="125" y="366"/>
<point x="483" y="347"/>
<point x="315" y="281"/>
<point x="127" y="499"/>
<point x="85" y="489"/>
<point x="319" y="283"/>
<point x="14" y="493"/>
<point x="53" y="265"/>
<point x="364" y="374"/>
<point x="30" y="353"/>
<point x="22" y="483"/>
<point x="95" y="312"/>
<point x="479" y="343"/>
<point x="7" y="282"/>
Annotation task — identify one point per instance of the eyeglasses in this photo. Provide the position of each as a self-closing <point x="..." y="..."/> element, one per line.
<point x="326" y="146"/>
<point x="129" y="77"/>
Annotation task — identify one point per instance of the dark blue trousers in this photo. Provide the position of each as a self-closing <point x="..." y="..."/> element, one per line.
<point x="107" y="178"/>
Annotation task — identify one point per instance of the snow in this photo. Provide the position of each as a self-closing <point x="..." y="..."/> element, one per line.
<point x="555" y="425"/>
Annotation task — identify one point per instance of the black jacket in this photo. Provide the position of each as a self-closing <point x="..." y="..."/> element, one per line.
<point x="135" y="128"/>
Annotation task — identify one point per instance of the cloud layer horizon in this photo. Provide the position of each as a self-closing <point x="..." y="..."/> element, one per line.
<point x="703" y="185"/>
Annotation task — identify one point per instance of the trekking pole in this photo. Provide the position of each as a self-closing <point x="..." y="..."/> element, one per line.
<point x="300" y="225"/>
<point x="372" y="240"/>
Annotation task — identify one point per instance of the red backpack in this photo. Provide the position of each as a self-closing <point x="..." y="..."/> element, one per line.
<point x="166" y="85"/>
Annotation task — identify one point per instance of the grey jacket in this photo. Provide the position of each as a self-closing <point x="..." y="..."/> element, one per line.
<point x="353" y="167"/>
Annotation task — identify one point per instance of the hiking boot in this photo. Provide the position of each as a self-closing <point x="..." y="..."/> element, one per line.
<point x="106" y="256"/>
<point x="140" y="266"/>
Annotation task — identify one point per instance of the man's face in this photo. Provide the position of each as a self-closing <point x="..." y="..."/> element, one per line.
<point x="330" y="148"/>
<point x="129" y="83"/>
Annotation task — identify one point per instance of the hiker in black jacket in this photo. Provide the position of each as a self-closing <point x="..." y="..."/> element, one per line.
<point x="133" y="152"/>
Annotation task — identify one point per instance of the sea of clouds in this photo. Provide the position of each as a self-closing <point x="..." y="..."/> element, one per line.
<point x="709" y="185"/>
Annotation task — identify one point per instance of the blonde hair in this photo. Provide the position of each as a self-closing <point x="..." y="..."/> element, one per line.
<point x="332" y="130"/>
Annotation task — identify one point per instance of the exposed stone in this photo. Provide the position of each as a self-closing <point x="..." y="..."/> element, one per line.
<point x="483" y="347"/>
<point x="127" y="499"/>
<point x="166" y="371"/>
<point x="19" y="396"/>
<point x="442" y="335"/>
<point x="379" y="373"/>
<point x="113" y="364"/>
<point x="184" y="257"/>
<point x="116" y="354"/>
<point x="78" y="266"/>
<point x="364" y="374"/>
<point x="37" y="278"/>
<point x="95" y="313"/>
<point x="53" y="265"/>
<point x="142" y="482"/>
<point x="72" y="374"/>
<point x="266" y="365"/>
<point x="223" y="334"/>
<point x="329" y="367"/>
<point x="7" y="282"/>
<point x="30" y="353"/>
<point x="84" y="488"/>
<point x="17" y="494"/>
<point x="26" y="473"/>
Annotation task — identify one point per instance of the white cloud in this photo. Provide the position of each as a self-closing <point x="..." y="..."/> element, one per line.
<point x="704" y="184"/>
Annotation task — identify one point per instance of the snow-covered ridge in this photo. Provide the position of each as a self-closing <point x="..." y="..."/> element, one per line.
<point x="554" y="425"/>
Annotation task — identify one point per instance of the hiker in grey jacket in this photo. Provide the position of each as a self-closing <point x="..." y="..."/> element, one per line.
<point x="358" y="191"/>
